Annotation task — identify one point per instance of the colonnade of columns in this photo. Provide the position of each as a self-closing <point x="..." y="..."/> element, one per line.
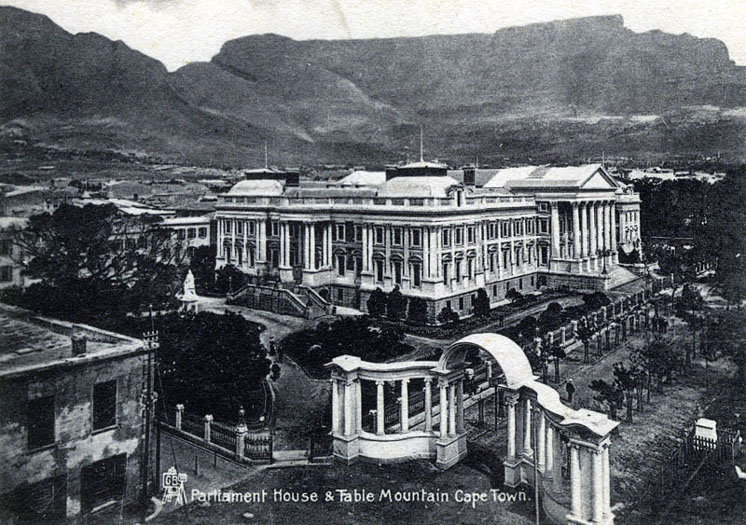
<point x="592" y="240"/>
<point x="310" y="256"/>
<point x="542" y="440"/>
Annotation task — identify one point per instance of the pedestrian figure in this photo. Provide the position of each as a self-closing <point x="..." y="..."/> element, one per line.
<point x="570" y="388"/>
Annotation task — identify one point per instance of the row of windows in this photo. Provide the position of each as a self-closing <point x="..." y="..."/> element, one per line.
<point x="40" y="415"/>
<point x="191" y="233"/>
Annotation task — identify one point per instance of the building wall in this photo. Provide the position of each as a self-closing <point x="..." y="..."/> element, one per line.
<point x="77" y="445"/>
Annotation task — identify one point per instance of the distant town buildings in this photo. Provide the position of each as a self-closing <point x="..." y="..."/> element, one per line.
<point x="435" y="233"/>
<point x="71" y="419"/>
<point x="11" y="256"/>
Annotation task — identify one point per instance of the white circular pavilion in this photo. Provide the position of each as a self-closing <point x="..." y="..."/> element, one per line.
<point x="562" y="436"/>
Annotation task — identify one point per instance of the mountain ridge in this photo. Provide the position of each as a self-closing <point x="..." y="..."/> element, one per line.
<point x="555" y="91"/>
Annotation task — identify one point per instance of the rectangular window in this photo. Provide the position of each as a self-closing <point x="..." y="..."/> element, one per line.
<point x="397" y="268"/>
<point x="416" y="275"/>
<point x="460" y="303"/>
<point x="351" y="263"/>
<point x="191" y="233"/>
<point x="518" y="227"/>
<point x="446" y="237"/>
<point x="340" y="295"/>
<point x="494" y="290"/>
<point x="543" y="206"/>
<point x="203" y="232"/>
<point x="180" y="234"/>
<point x="470" y="268"/>
<point x="227" y="226"/>
<point x="341" y="264"/>
<point x="358" y="266"/>
<point x="339" y="232"/>
<point x="445" y="273"/>
<point x="358" y="233"/>
<point x="275" y="228"/>
<point x="415" y="237"/>
<point x="105" y="405"/>
<point x="239" y="227"/>
<point x="102" y="482"/>
<point x="459" y="236"/>
<point x="543" y="226"/>
<point x="457" y="266"/>
<point x="40" y="422"/>
<point x="6" y="274"/>
<point x="520" y="284"/>
<point x="505" y="229"/>
<point x="397" y="236"/>
<point x="379" y="235"/>
<point x="471" y="232"/>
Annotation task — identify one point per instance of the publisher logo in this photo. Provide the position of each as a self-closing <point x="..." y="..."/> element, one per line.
<point x="173" y="487"/>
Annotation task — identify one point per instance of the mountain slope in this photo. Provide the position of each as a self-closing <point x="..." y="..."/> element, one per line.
<point x="556" y="91"/>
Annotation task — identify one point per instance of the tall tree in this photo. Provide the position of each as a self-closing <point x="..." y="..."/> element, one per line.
<point x="95" y="262"/>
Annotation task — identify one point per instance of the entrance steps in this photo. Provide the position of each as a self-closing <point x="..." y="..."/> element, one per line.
<point x="619" y="276"/>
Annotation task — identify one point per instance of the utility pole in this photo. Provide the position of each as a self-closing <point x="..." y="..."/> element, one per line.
<point x="148" y="401"/>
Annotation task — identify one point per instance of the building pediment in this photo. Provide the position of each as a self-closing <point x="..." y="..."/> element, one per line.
<point x="599" y="180"/>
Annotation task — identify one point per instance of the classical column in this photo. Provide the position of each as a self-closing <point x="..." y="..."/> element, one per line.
<point x="358" y="406"/>
<point x="606" y="479"/>
<point x="261" y="241"/>
<point x="558" y="461"/>
<point x="510" y="401"/>
<point x="614" y="231"/>
<point x="380" y="410"/>
<point x="576" y="503"/>
<point x="540" y="442"/>
<point x="600" y="226"/>
<point x="312" y="243"/>
<point x="443" y="409"/>
<point x="549" y="450"/>
<point x="323" y="247"/>
<point x="527" y="427"/>
<point x="576" y="231"/>
<point x="335" y="406"/>
<point x="599" y="496"/>
<point x="404" y="412"/>
<point x="283" y="244"/>
<point x="607" y="226"/>
<point x="555" y="230"/>
<point x="366" y="254"/>
<point x="428" y="404"/>
<point x="452" y="409"/>
<point x="350" y="403"/>
<point x="460" y="406"/>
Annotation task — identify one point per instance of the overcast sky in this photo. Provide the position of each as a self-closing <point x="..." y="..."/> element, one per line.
<point x="180" y="31"/>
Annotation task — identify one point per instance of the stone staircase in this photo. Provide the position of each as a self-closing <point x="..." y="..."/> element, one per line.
<point x="620" y="276"/>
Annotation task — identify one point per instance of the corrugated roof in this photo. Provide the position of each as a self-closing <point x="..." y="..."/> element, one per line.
<point x="257" y="188"/>
<point x="544" y="176"/>
<point x="364" y="178"/>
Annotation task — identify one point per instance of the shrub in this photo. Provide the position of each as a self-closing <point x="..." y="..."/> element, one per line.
<point x="513" y="295"/>
<point x="377" y="303"/>
<point x="396" y="304"/>
<point x="482" y="303"/>
<point x="417" y="310"/>
<point x="448" y="316"/>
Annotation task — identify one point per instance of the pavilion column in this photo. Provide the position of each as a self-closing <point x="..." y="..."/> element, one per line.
<point x="283" y="244"/>
<point x="428" y="404"/>
<point x="460" y="427"/>
<point x="607" y="226"/>
<point x="600" y="226"/>
<point x="349" y="407"/>
<point x="329" y="246"/>
<point x="576" y="506"/>
<point x="599" y="494"/>
<point x="404" y="408"/>
<point x="358" y="406"/>
<point x="606" y="479"/>
<point x="511" y="402"/>
<point x="585" y="212"/>
<point x="540" y="442"/>
<point x="443" y="409"/>
<point x="312" y="245"/>
<point x="527" y="427"/>
<point x="555" y="226"/>
<point x="558" y="461"/>
<point x="452" y="409"/>
<point x="324" y="255"/>
<point x="549" y="450"/>
<point x="593" y="233"/>
<point x="380" y="410"/>
<point x="335" y="406"/>
<point x="576" y="231"/>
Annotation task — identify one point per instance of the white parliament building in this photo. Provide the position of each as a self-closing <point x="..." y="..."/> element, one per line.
<point x="436" y="233"/>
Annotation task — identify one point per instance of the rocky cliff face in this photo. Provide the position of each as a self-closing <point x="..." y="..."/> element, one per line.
<point x="557" y="90"/>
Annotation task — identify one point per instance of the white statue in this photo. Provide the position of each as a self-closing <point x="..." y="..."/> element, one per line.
<point x="189" y="294"/>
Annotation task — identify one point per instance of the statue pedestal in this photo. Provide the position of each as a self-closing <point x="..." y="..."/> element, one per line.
<point x="450" y="451"/>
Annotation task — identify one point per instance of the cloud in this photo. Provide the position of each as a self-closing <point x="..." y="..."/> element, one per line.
<point x="180" y="31"/>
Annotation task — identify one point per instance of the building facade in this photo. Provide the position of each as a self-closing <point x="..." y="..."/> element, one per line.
<point x="435" y="233"/>
<point x="11" y="255"/>
<point x="71" y="423"/>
